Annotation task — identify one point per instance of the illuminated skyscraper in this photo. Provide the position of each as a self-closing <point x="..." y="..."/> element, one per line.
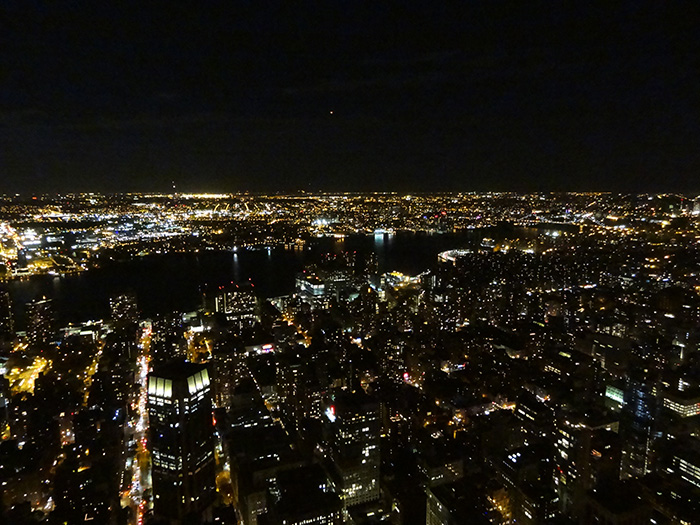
<point x="354" y="426"/>
<point x="586" y="453"/>
<point x="4" y="401"/>
<point x="7" y="327"/>
<point x="238" y="303"/>
<point x="40" y="322"/>
<point x="125" y="318"/>
<point x="181" y="440"/>
<point x="124" y="309"/>
<point x="638" y="427"/>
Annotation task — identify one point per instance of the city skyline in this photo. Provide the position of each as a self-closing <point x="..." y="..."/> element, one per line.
<point x="349" y="263"/>
<point x="324" y="359"/>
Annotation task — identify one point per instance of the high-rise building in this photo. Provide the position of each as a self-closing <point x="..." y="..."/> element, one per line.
<point x="310" y="284"/>
<point x="125" y="318"/>
<point x="638" y="425"/>
<point x="686" y="463"/>
<point x="7" y="327"/>
<point x="168" y="338"/>
<point x="586" y="452"/>
<point x="298" y="389"/>
<point x="124" y="309"/>
<point x="4" y="401"/>
<point x="238" y="303"/>
<point x="525" y="474"/>
<point x="536" y="415"/>
<point x="40" y="322"/>
<point x="618" y="503"/>
<point x="259" y="449"/>
<point x="455" y="503"/>
<point x="354" y="426"/>
<point x="302" y="496"/>
<point x="682" y="403"/>
<point x="181" y="440"/>
<point x="226" y="364"/>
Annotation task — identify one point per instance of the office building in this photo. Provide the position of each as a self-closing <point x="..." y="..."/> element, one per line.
<point x="537" y="417"/>
<point x="259" y="449"/>
<point x="525" y="474"/>
<point x="181" y="440"/>
<point x="238" y="303"/>
<point x="302" y="496"/>
<point x="456" y="503"/>
<point x="124" y="310"/>
<point x="40" y="323"/>
<point x="586" y="451"/>
<point x="616" y="504"/>
<point x="227" y="367"/>
<point x="682" y="403"/>
<point x="4" y="402"/>
<point x="125" y="318"/>
<point x="7" y="327"/>
<point x="638" y="424"/>
<point x="686" y="463"/>
<point x="353" y="426"/>
<point x="310" y="284"/>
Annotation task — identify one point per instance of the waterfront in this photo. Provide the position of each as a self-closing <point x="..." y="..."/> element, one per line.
<point x="176" y="281"/>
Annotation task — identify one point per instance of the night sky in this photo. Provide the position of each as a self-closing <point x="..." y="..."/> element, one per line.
<point x="349" y="95"/>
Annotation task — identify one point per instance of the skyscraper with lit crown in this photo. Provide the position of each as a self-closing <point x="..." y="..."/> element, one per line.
<point x="181" y="440"/>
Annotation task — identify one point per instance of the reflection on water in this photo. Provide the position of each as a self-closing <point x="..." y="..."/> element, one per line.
<point x="236" y="268"/>
<point x="176" y="281"/>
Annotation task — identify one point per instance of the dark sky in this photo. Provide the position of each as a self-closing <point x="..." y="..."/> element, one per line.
<point x="349" y="95"/>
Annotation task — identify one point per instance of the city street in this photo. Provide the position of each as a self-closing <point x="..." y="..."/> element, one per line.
<point x="137" y="464"/>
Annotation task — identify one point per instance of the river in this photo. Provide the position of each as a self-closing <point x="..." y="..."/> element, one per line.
<point x="170" y="282"/>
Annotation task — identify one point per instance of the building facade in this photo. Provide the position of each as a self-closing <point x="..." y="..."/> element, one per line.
<point x="181" y="440"/>
<point x="354" y="426"/>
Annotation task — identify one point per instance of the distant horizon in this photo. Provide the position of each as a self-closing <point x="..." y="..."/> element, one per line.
<point x="223" y="195"/>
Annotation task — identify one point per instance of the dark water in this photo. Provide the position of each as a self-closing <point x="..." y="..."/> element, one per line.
<point x="164" y="283"/>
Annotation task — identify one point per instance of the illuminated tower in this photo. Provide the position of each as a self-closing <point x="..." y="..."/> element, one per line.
<point x="40" y="322"/>
<point x="124" y="309"/>
<point x="181" y="440"/>
<point x="4" y="401"/>
<point x="238" y="303"/>
<point x="7" y="327"/>
<point x="125" y="318"/>
<point x="586" y="453"/>
<point x="638" y="427"/>
<point x="354" y="426"/>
